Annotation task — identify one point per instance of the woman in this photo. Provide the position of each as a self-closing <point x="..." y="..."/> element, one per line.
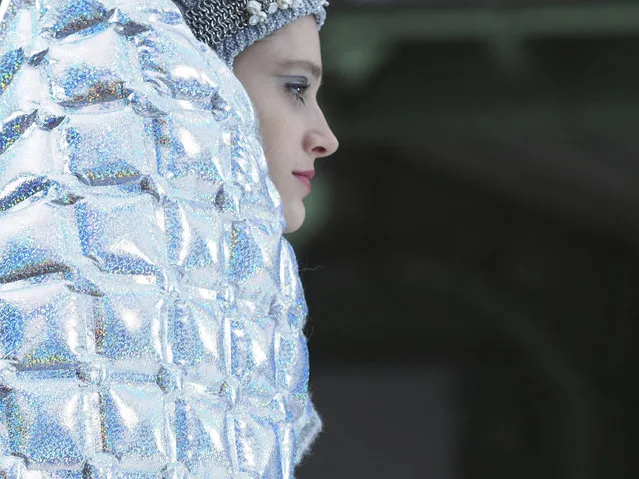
<point x="274" y="50"/>
<point x="151" y="315"/>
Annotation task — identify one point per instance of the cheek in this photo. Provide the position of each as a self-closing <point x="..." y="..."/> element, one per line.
<point x="277" y="140"/>
<point x="279" y="130"/>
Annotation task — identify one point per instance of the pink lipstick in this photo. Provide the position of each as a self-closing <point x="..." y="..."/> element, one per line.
<point x="305" y="177"/>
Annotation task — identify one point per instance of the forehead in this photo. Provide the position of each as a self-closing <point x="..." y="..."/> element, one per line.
<point x="298" y="40"/>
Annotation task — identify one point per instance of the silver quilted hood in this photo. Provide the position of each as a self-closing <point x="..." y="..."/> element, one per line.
<point x="151" y="313"/>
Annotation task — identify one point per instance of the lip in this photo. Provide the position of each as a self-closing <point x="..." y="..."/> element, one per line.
<point x="305" y="177"/>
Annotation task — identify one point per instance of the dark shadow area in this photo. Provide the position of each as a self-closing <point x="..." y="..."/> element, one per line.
<point x="472" y="273"/>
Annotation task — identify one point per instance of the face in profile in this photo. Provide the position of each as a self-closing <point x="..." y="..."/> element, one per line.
<point x="282" y="75"/>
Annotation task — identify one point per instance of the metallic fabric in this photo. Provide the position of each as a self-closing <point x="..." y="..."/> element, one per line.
<point x="225" y="26"/>
<point x="151" y="313"/>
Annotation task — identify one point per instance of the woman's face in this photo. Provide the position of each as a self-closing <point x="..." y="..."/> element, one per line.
<point x="282" y="75"/>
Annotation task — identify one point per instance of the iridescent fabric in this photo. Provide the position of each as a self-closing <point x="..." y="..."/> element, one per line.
<point x="150" y="311"/>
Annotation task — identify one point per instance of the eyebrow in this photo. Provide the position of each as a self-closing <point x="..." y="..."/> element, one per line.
<point x="313" y="68"/>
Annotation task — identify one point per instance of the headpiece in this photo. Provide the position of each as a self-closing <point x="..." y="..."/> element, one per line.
<point x="230" y="26"/>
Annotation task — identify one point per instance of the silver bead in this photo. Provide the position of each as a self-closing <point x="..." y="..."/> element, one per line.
<point x="253" y="7"/>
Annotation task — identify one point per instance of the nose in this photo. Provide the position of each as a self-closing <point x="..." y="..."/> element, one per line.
<point x="320" y="140"/>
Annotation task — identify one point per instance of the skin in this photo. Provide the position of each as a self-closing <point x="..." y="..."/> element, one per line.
<point x="282" y="75"/>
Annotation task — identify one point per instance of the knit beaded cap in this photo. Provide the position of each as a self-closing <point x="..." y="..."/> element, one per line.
<point x="230" y="26"/>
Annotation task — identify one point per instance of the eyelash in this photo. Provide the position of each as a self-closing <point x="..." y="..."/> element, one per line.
<point x="298" y="90"/>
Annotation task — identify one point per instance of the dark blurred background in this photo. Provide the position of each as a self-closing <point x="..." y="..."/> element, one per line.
<point x="471" y="255"/>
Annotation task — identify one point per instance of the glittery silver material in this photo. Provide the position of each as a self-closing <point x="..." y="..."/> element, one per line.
<point x="224" y="24"/>
<point x="150" y="312"/>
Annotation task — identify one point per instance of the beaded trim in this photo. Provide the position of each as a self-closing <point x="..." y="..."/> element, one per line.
<point x="213" y="20"/>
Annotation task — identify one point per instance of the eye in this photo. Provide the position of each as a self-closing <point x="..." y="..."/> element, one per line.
<point x="298" y="89"/>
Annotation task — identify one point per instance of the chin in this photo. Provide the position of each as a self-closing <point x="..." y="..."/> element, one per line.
<point x="294" y="214"/>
